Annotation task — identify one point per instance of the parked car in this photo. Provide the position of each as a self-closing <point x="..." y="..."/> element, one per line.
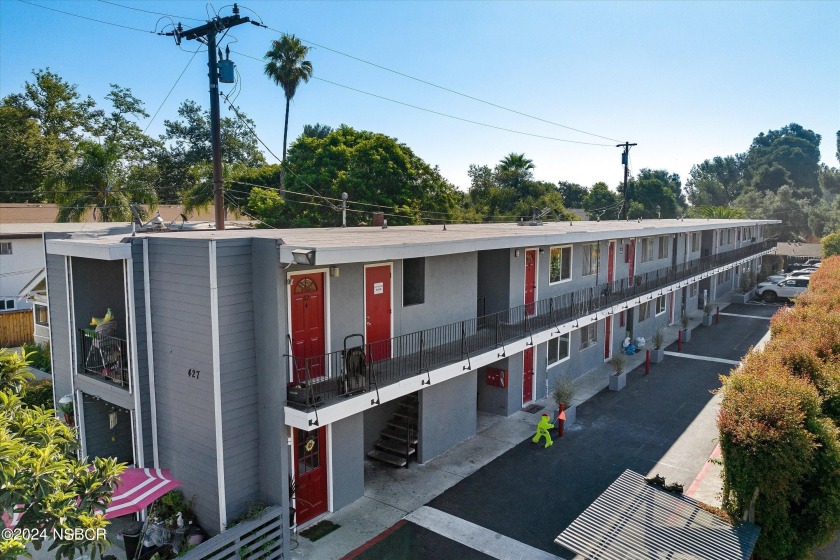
<point x="788" y="288"/>
<point x="799" y="266"/>
<point x="773" y="279"/>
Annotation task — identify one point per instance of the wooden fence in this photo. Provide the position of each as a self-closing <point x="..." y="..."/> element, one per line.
<point x="257" y="539"/>
<point x="16" y="328"/>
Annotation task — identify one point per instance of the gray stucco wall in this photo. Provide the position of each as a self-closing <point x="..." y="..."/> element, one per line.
<point x="348" y="457"/>
<point x="490" y="398"/>
<point x="447" y="415"/>
<point x="101" y="440"/>
<point x="62" y="361"/>
<point x="180" y="302"/>
<point x="240" y="422"/>
<point x="451" y="285"/>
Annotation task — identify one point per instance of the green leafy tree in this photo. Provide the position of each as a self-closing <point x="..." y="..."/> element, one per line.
<point x="42" y="481"/>
<point x="600" y="201"/>
<point x="572" y="193"/>
<point x="716" y="212"/>
<point x="25" y="156"/>
<point x="316" y="130"/>
<point x="831" y="245"/>
<point x="181" y="167"/>
<point x="120" y="128"/>
<point x="376" y="171"/>
<point x="659" y="193"/>
<point x="515" y="171"/>
<point x="99" y="182"/>
<point x="716" y="182"/>
<point x="793" y="148"/>
<point x="287" y="67"/>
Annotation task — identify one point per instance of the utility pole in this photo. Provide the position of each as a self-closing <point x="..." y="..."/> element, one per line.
<point x="625" y="159"/>
<point x="206" y="34"/>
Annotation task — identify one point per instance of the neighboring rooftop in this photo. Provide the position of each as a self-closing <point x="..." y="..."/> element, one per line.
<point x="810" y="250"/>
<point x="35" y="213"/>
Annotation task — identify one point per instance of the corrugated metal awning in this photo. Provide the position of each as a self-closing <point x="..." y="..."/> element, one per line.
<point x="634" y="520"/>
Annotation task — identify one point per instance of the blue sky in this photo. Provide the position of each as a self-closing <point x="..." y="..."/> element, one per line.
<point x="685" y="80"/>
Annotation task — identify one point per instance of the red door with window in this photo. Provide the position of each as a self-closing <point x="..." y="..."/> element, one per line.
<point x="631" y="259"/>
<point x="528" y="375"/>
<point x="530" y="279"/>
<point x="378" y="311"/>
<point x="310" y="473"/>
<point x="307" y="312"/>
<point x="608" y="338"/>
<point x="611" y="263"/>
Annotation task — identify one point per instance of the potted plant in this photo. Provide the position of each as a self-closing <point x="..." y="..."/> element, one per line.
<point x="619" y="379"/>
<point x="563" y="393"/>
<point x="745" y="287"/>
<point x="658" y="341"/>
<point x="65" y="405"/>
<point x="686" y="333"/>
<point x="707" y="313"/>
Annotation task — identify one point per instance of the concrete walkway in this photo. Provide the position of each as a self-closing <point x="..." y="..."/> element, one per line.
<point x="392" y="495"/>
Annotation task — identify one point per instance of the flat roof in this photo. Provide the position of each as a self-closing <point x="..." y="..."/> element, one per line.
<point x="372" y="243"/>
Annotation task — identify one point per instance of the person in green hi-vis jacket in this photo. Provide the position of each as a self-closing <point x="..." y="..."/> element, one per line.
<point x="542" y="430"/>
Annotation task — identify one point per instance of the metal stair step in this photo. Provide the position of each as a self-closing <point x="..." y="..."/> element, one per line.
<point x="394" y="446"/>
<point x="389" y="458"/>
<point x="392" y="433"/>
<point x="400" y="424"/>
<point x="408" y="415"/>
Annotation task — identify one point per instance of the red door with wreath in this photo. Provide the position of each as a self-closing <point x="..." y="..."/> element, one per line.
<point x="310" y="474"/>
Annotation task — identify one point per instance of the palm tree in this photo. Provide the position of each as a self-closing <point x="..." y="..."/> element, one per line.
<point x="99" y="181"/>
<point x="515" y="167"/>
<point x="287" y="67"/>
<point x="716" y="212"/>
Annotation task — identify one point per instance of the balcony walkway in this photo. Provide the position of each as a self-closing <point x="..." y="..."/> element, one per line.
<point x="334" y="377"/>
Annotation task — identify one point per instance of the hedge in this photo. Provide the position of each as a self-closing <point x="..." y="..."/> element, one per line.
<point x="778" y="426"/>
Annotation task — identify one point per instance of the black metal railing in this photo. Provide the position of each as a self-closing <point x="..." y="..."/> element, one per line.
<point x="344" y="373"/>
<point x="103" y="355"/>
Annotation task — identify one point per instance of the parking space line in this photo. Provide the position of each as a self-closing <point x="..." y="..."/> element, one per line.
<point x="474" y="536"/>
<point x="704" y="358"/>
<point x="745" y="316"/>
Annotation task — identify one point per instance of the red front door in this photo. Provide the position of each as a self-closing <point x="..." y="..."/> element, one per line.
<point x="307" y="311"/>
<point x="378" y="311"/>
<point x="608" y="338"/>
<point x="671" y="308"/>
<point x="527" y="375"/>
<point x="631" y="258"/>
<point x="611" y="263"/>
<point x="310" y="473"/>
<point x="530" y="280"/>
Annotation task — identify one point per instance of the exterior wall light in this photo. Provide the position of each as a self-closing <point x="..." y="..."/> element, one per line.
<point x="304" y="256"/>
<point x="334" y="270"/>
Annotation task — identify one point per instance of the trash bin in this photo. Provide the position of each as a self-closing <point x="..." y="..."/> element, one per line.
<point x="131" y="539"/>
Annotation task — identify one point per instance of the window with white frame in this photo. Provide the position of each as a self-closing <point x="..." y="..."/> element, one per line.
<point x="663" y="247"/>
<point x="590" y="259"/>
<point x="42" y="317"/>
<point x="560" y="264"/>
<point x="6" y="304"/>
<point x="695" y="242"/>
<point x="660" y="305"/>
<point x="646" y="249"/>
<point x="644" y="311"/>
<point x="693" y="289"/>
<point x="6" y="248"/>
<point x="558" y="349"/>
<point x="588" y="335"/>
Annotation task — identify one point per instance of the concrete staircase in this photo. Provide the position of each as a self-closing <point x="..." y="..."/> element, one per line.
<point x="398" y="441"/>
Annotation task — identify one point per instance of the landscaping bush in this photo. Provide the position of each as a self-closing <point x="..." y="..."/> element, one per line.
<point x="39" y="393"/>
<point x="38" y="355"/>
<point x="778" y="426"/>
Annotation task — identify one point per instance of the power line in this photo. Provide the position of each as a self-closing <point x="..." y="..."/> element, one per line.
<point x="443" y="88"/>
<point x="181" y="75"/>
<point x="88" y="18"/>
<point x="440" y="113"/>
<point x="148" y="11"/>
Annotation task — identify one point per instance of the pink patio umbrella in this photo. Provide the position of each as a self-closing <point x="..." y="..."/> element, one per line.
<point x="137" y="488"/>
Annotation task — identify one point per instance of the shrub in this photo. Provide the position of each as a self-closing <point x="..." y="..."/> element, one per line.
<point x="39" y="393"/>
<point x="778" y="425"/>
<point x="38" y="355"/>
<point x="831" y="244"/>
<point x="563" y="391"/>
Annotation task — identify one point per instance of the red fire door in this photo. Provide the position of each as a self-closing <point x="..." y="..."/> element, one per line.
<point x="378" y="311"/>
<point x="528" y="375"/>
<point x="530" y="279"/>
<point x="307" y="312"/>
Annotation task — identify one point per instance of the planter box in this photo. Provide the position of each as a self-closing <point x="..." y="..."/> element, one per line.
<point x="618" y="382"/>
<point x="298" y="394"/>
<point x="742" y="298"/>
<point x="707" y="320"/>
<point x="686" y="335"/>
<point x="657" y="355"/>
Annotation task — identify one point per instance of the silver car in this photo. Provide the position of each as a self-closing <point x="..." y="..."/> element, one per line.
<point x="788" y="288"/>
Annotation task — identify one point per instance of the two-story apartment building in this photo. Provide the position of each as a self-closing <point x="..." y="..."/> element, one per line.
<point x="242" y="360"/>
